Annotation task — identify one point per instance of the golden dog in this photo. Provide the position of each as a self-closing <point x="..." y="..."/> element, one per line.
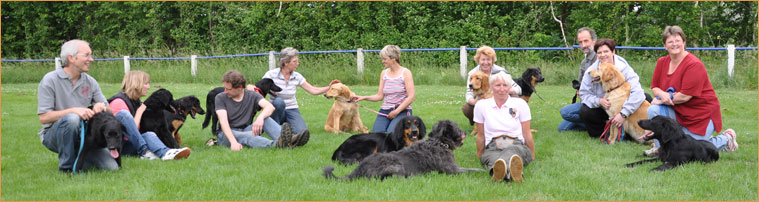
<point x="617" y="92"/>
<point x="344" y="114"/>
<point x="480" y="84"/>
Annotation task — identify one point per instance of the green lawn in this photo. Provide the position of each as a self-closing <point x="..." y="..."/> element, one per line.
<point x="568" y="165"/>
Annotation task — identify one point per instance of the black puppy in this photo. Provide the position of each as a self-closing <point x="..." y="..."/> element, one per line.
<point x="263" y="87"/>
<point x="433" y="154"/>
<point x="103" y="131"/>
<point x="530" y="78"/>
<point x="409" y="130"/>
<point x="154" y="119"/>
<point x="677" y="148"/>
<point x="182" y="106"/>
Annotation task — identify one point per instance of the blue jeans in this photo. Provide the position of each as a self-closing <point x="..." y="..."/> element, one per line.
<point x="383" y="124"/>
<point x="135" y="143"/>
<point x="63" y="138"/>
<point x="292" y="116"/>
<point x="719" y="141"/>
<point x="245" y="135"/>
<point x="571" y="115"/>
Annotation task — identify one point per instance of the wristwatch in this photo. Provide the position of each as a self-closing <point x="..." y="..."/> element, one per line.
<point x="623" y="115"/>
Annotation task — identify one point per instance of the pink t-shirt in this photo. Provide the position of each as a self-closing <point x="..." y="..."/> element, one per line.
<point x="502" y="120"/>
<point x="117" y="105"/>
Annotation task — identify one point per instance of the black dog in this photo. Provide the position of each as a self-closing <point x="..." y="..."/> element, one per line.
<point x="103" y="131"/>
<point x="182" y="107"/>
<point x="154" y="119"/>
<point x="677" y="148"/>
<point x="263" y="87"/>
<point x="433" y="154"/>
<point x="530" y="78"/>
<point x="409" y="130"/>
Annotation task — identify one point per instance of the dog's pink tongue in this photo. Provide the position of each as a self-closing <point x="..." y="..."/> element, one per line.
<point x="114" y="153"/>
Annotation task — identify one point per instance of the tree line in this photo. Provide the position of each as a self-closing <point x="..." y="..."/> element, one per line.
<point x="179" y="28"/>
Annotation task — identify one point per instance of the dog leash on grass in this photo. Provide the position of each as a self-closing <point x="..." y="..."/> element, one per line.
<point x="81" y="145"/>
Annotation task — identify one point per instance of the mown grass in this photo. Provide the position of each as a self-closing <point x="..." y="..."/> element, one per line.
<point x="568" y="166"/>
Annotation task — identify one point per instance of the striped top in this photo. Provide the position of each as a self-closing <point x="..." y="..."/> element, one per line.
<point x="394" y="91"/>
<point x="288" y="87"/>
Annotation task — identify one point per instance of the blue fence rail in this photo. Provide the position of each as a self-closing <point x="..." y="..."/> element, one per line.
<point x="354" y="51"/>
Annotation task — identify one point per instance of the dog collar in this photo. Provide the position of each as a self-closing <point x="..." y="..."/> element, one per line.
<point x="620" y="85"/>
<point x="342" y="99"/>
<point x="258" y="90"/>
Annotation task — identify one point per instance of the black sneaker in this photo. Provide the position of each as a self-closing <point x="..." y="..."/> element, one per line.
<point x="285" y="136"/>
<point x="301" y="138"/>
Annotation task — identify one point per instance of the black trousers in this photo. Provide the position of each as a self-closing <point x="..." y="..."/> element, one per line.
<point x="595" y="118"/>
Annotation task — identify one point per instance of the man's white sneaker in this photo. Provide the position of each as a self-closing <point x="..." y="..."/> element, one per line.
<point x="176" y="154"/>
<point x="149" y="155"/>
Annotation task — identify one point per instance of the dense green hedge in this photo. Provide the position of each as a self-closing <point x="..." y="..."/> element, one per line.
<point x="168" y="28"/>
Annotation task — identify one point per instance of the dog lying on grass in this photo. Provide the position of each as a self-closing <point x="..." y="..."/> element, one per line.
<point x="433" y="154"/>
<point x="677" y="148"/>
<point x="409" y="130"/>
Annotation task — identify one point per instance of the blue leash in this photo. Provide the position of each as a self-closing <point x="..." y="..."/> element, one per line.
<point x="662" y="108"/>
<point x="81" y="145"/>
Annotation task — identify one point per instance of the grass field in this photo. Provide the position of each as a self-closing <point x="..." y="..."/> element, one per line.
<point x="568" y="165"/>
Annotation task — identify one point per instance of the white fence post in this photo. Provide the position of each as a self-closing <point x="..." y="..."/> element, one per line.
<point x="193" y="65"/>
<point x="126" y="64"/>
<point x="360" y="60"/>
<point x="730" y="59"/>
<point x="57" y="63"/>
<point x="272" y="60"/>
<point x="462" y="61"/>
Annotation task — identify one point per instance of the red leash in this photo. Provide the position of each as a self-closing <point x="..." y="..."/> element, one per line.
<point x="605" y="139"/>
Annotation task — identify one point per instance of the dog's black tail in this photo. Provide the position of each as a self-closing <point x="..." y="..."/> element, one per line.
<point x="211" y="106"/>
<point x="329" y="175"/>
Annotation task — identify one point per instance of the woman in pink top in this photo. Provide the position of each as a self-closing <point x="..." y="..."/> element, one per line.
<point x="128" y="108"/>
<point x="396" y="89"/>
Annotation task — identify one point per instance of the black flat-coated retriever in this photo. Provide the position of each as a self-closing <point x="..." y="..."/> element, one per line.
<point x="677" y="148"/>
<point x="432" y="154"/>
<point x="409" y="130"/>
<point x="103" y="131"/>
<point x="154" y="119"/>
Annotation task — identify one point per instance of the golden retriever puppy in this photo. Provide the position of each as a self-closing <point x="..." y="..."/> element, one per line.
<point x="480" y="85"/>
<point x="344" y="114"/>
<point x="617" y="92"/>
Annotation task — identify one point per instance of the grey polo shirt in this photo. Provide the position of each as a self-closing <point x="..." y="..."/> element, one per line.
<point x="56" y="93"/>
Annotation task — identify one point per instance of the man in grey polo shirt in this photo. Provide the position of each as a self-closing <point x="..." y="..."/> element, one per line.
<point x="586" y="37"/>
<point x="63" y="96"/>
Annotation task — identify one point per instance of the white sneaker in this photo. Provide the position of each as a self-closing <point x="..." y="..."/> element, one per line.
<point x="176" y="154"/>
<point x="149" y="155"/>
<point x="732" y="142"/>
<point x="654" y="151"/>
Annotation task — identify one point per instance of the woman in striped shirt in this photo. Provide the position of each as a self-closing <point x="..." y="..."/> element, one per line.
<point x="396" y="89"/>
